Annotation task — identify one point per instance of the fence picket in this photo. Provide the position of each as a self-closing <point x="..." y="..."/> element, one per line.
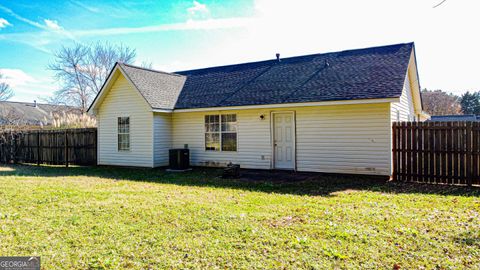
<point x="442" y="152"/>
<point x="475" y="167"/>
<point x="420" y="147"/>
<point x="449" y="155"/>
<point x="394" y="151"/>
<point x="72" y="146"/>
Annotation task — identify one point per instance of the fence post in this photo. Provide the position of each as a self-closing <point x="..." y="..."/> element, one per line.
<point x="14" y="146"/>
<point x="394" y="151"/>
<point x="66" y="148"/>
<point x="96" y="145"/>
<point x="10" y="146"/>
<point x="38" y="148"/>
<point x="475" y="149"/>
<point x="469" y="152"/>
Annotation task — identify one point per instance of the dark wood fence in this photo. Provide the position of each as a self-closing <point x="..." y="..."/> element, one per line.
<point x="437" y="152"/>
<point x="57" y="147"/>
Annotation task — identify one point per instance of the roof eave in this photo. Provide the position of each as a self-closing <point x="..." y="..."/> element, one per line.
<point x="418" y="77"/>
<point x="118" y="67"/>
<point x="161" y="110"/>
<point x="300" y="104"/>
<point x="94" y="104"/>
<point x="134" y="85"/>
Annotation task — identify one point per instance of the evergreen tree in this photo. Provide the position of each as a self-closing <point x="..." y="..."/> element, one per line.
<point x="470" y="103"/>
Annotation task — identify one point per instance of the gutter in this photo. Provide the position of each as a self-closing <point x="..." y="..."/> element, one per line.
<point x="283" y="105"/>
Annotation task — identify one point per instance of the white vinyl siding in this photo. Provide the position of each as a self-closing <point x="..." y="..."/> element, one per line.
<point x="344" y="139"/>
<point x="253" y="139"/>
<point x="336" y="139"/>
<point x="162" y="128"/>
<point x="404" y="110"/>
<point x="124" y="101"/>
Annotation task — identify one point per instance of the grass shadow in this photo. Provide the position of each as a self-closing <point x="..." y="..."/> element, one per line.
<point x="284" y="182"/>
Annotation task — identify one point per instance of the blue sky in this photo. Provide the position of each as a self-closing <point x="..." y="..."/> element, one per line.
<point x="178" y="35"/>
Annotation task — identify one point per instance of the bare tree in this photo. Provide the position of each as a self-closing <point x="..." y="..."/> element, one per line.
<point x="68" y="68"/>
<point x="438" y="102"/>
<point x="101" y="58"/>
<point x="82" y="69"/>
<point x="147" y="65"/>
<point x="5" y="91"/>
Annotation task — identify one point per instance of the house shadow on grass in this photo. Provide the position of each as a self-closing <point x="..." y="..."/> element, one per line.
<point x="283" y="182"/>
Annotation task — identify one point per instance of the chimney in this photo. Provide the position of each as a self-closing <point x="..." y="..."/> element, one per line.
<point x="35" y="103"/>
<point x="278" y="57"/>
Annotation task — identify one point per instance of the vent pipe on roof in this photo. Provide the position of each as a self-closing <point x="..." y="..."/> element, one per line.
<point x="35" y="103"/>
<point x="278" y="57"/>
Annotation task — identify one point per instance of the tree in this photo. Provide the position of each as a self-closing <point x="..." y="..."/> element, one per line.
<point x="5" y="91"/>
<point x="438" y="102"/>
<point x="82" y="70"/>
<point x="471" y="103"/>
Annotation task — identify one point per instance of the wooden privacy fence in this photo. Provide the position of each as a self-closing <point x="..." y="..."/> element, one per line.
<point x="437" y="152"/>
<point x="67" y="146"/>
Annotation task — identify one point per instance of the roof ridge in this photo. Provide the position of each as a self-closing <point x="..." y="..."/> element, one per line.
<point x="315" y="73"/>
<point x="454" y="115"/>
<point x="247" y="83"/>
<point x="149" y="69"/>
<point x="32" y="103"/>
<point x="294" y="57"/>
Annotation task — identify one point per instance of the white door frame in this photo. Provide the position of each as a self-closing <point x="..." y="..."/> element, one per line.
<point x="272" y="137"/>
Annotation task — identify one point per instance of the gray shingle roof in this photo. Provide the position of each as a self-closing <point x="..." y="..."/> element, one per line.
<point x="25" y="113"/>
<point x="370" y="73"/>
<point x="160" y="89"/>
<point x="377" y="72"/>
<point x="465" y="117"/>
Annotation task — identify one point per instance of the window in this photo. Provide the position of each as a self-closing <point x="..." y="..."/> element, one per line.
<point x="123" y="133"/>
<point x="212" y="132"/>
<point x="229" y="132"/>
<point x="221" y="132"/>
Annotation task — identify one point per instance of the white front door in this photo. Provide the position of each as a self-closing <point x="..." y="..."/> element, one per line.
<point x="284" y="141"/>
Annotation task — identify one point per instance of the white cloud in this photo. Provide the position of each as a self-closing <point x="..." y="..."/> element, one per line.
<point x="16" y="77"/>
<point x="198" y="10"/>
<point x="48" y="24"/>
<point x="188" y="25"/>
<point x="447" y="57"/>
<point x="52" y="32"/>
<point x="4" y="23"/>
<point x="52" y="24"/>
<point x="87" y="7"/>
<point x="26" y="87"/>
<point x="20" y="18"/>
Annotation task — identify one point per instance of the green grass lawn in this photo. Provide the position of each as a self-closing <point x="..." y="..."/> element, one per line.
<point x="137" y="218"/>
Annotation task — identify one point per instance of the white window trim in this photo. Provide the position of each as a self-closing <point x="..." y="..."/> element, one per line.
<point x="220" y="132"/>
<point x="205" y="133"/>
<point x="129" y="135"/>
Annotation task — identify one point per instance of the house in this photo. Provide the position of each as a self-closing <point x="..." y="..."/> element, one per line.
<point x="456" y="118"/>
<point x="329" y="112"/>
<point x="31" y="115"/>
